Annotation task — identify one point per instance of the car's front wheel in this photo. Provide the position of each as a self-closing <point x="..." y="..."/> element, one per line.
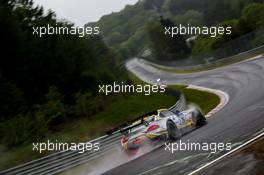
<point x="199" y="119"/>
<point x="173" y="132"/>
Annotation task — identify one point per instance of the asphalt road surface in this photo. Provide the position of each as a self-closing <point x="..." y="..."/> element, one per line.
<point x="240" y="120"/>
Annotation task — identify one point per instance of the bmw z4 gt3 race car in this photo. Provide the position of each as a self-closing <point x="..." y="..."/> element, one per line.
<point x="165" y="124"/>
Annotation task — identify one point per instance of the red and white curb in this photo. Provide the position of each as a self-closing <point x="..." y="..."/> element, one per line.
<point x="224" y="98"/>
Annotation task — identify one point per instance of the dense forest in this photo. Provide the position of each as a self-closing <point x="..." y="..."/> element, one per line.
<point x="49" y="80"/>
<point x="131" y="29"/>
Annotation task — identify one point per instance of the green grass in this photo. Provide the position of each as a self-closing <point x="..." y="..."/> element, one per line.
<point x="83" y="129"/>
<point x="128" y="107"/>
<point x="206" y="101"/>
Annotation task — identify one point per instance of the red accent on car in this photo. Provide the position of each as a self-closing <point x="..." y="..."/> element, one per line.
<point x="137" y="141"/>
<point x="124" y="140"/>
<point x="153" y="127"/>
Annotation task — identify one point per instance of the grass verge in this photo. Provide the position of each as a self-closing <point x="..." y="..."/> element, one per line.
<point x="258" y="150"/>
<point x="206" y="101"/>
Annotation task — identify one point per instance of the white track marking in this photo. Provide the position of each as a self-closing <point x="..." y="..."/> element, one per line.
<point x="227" y="154"/>
<point x="183" y="160"/>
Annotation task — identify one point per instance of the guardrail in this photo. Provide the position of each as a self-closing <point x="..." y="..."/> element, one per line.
<point x="180" y="105"/>
<point x="64" y="160"/>
<point x="228" y="60"/>
<point x="231" y="51"/>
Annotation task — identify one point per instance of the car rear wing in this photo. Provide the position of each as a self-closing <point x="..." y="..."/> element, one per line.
<point x="124" y="128"/>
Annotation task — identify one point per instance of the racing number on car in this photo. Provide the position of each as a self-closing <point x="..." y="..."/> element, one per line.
<point x="182" y="120"/>
<point x="178" y="120"/>
<point x="189" y="116"/>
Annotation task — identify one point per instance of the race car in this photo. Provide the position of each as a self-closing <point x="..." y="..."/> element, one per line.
<point x="165" y="124"/>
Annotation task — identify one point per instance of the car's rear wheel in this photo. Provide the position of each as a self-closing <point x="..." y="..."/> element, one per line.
<point x="173" y="132"/>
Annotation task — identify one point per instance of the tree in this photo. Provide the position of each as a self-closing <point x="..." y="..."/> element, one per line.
<point x="40" y="77"/>
<point x="252" y="16"/>
<point x="154" y="5"/>
<point x="164" y="46"/>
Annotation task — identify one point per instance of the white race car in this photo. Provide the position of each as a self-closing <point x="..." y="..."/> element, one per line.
<point x="164" y="124"/>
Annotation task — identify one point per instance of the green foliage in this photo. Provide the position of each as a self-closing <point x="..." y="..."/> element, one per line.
<point x="253" y="16"/>
<point x="16" y="130"/>
<point x="134" y="44"/>
<point x="87" y="105"/>
<point x="53" y="109"/>
<point x="192" y="17"/>
<point x="123" y="30"/>
<point x="47" y="81"/>
<point x="259" y="39"/>
<point x="157" y="39"/>
<point x="206" y="101"/>
<point x="214" y="11"/>
<point x="12" y="100"/>
<point x="205" y="44"/>
<point x="164" y="46"/>
<point x="34" y="124"/>
<point x="40" y="77"/>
